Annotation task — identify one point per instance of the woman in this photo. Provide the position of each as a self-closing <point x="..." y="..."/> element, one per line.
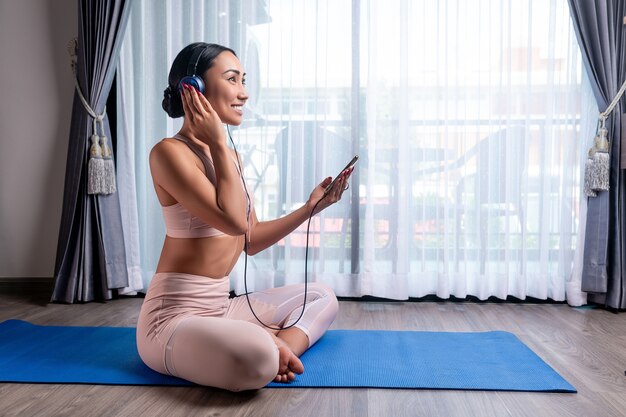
<point x="188" y="326"/>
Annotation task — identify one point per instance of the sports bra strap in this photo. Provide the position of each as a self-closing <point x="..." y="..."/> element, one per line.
<point x="209" y="168"/>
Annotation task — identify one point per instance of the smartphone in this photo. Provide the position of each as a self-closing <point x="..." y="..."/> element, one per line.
<point x="350" y="165"/>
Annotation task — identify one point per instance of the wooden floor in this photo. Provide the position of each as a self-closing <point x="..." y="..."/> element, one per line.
<point x="586" y="346"/>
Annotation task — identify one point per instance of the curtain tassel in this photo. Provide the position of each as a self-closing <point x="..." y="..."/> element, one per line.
<point x="95" y="167"/>
<point x="100" y="169"/>
<point x="598" y="164"/>
<point x="601" y="161"/>
<point x="597" y="171"/>
<point x="108" y="185"/>
<point x="589" y="168"/>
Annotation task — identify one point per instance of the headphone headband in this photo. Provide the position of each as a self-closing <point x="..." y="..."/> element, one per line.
<point x="195" y="58"/>
<point x="192" y="78"/>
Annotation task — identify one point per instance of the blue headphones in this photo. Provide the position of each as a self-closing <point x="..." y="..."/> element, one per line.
<point x="193" y="79"/>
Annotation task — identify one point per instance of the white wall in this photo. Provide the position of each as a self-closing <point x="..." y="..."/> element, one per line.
<point x="36" y="91"/>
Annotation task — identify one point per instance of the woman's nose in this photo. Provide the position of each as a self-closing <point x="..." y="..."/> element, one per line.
<point x="242" y="94"/>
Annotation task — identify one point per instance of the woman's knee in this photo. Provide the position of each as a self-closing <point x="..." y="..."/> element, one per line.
<point x="228" y="354"/>
<point x="329" y="294"/>
<point x="258" y="366"/>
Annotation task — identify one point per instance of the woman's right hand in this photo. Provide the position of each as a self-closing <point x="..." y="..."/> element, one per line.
<point x="204" y="122"/>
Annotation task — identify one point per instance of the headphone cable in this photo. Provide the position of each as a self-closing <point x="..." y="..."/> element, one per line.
<point x="245" y="268"/>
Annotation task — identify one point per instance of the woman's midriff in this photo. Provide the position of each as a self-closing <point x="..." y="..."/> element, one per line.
<point x="210" y="257"/>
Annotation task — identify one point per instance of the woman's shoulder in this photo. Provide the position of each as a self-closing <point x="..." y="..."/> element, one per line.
<point x="168" y="147"/>
<point x="169" y="152"/>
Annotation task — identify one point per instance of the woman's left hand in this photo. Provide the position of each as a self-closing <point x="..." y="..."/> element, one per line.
<point x="333" y="195"/>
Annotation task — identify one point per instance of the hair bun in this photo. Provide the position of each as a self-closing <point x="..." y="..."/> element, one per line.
<point x="172" y="103"/>
<point x="169" y="91"/>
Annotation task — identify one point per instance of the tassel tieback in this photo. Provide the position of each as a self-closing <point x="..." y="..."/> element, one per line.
<point x="100" y="168"/>
<point x="598" y="164"/>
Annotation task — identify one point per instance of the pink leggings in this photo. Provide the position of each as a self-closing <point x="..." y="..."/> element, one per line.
<point x="190" y="328"/>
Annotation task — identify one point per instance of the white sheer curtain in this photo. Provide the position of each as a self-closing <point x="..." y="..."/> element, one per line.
<point x="471" y="119"/>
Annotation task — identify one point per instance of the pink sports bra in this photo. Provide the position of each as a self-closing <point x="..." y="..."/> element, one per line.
<point x="179" y="222"/>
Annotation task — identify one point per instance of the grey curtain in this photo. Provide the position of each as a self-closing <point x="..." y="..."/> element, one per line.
<point x="601" y="36"/>
<point x="90" y="262"/>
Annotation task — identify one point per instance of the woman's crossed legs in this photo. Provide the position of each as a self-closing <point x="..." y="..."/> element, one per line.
<point x="240" y="352"/>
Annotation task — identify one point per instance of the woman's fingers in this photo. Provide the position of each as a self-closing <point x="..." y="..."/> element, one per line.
<point x="335" y="192"/>
<point x="346" y="183"/>
<point x="194" y="101"/>
<point x="204" y="102"/>
<point x="200" y="103"/>
<point x="184" y="99"/>
<point x="190" y="108"/>
<point x="340" y="185"/>
<point x="195" y="105"/>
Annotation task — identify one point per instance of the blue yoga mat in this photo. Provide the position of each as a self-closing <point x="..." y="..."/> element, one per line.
<point x="342" y="358"/>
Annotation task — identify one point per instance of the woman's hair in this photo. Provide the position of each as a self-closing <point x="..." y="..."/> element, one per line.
<point x="172" y="103"/>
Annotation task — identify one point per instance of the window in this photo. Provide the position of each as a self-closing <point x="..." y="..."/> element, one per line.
<point x="469" y="118"/>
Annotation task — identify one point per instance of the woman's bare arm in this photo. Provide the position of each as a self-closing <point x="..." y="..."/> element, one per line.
<point x="222" y="208"/>
<point x="265" y="234"/>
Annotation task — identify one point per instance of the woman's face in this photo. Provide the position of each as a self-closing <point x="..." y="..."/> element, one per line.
<point x="225" y="88"/>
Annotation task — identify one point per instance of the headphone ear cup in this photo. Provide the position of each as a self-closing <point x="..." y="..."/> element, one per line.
<point x="192" y="80"/>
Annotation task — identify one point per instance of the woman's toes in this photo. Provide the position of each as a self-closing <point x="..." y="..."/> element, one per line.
<point x="295" y="364"/>
<point x="286" y="377"/>
<point x="288" y="365"/>
<point x="284" y="355"/>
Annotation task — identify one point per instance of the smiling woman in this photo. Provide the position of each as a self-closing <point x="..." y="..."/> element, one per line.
<point x="193" y="59"/>
<point x="189" y="326"/>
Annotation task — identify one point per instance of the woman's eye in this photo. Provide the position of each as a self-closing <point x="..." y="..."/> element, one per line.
<point x="243" y="82"/>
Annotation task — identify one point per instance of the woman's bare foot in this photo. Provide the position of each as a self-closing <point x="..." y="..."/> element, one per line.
<point x="288" y="364"/>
